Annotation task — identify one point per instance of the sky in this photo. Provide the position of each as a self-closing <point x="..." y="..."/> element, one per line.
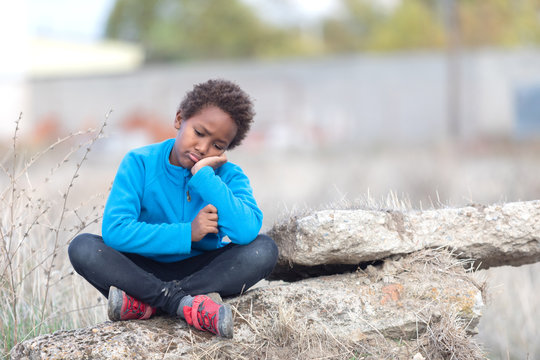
<point x="78" y="20"/>
<point x="84" y="20"/>
<point x="292" y="11"/>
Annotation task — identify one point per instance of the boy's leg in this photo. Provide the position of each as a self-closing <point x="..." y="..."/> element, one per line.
<point x="106" y="268"/>
<point x="230" y="270"/>
<point x="103" y="266"/>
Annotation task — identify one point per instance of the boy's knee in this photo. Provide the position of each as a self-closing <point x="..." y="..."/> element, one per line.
<point x="80" y="248"/>
<point x="266" y="251"/>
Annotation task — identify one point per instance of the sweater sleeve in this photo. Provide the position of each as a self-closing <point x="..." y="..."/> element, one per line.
<point x="122" y="229"/>
<point x="239" y="217"/>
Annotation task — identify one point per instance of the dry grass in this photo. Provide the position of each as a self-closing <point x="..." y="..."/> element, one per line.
<point x="36" y="225"/>
<point x="447" y="338"/>
<point x="447" y="335"/>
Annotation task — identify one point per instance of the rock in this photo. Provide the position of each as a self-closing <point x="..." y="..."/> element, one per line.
<point x="119" y="340"/>
<point x="507" y="234"/>
<point x="337" y="314"/>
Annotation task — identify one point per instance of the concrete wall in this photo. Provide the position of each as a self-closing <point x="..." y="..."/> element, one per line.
<point x="306" y="103"/>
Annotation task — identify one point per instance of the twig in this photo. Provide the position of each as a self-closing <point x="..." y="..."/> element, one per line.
<point x="62" y="212"/>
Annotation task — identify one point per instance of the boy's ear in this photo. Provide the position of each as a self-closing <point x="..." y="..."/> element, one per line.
<point x="178" y="120"/>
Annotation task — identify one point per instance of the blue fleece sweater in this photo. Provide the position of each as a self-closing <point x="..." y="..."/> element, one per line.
<point x="152" y="204"/>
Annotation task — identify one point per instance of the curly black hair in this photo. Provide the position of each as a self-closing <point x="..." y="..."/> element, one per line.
<point x="227" y="96"/>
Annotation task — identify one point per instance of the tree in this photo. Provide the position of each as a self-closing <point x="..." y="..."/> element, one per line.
<point x="349" y="31"/>
<point x="412" y="25"/>
<point x="193" y="29"/>
<point x="362" y="25"/>
<point x="499" y="22"/>
<point x="172" y="30"/>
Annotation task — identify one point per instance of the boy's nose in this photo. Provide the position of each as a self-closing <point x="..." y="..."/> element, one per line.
<point x="202" y="147"/>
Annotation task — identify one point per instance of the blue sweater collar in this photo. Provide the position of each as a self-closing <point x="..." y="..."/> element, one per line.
<point x="175" y="173"/>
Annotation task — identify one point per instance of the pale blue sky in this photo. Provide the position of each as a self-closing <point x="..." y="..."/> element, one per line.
<point x="84" y="20"/>
<point x="78" y="20"/>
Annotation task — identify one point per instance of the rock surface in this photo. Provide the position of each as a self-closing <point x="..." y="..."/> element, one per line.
<point x="507" y="234"/>
<point x="323" y="316"/>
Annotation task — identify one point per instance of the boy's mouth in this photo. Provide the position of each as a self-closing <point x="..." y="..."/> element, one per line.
<point x="194" y="157"/>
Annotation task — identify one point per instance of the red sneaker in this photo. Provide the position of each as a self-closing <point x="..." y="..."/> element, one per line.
<point x="205" y="314"/>
<point x="121" y="306"/>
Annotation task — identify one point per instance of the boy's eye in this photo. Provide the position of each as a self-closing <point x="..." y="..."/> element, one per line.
<point x="197" y="132"/>
<point x="219" y="147"/>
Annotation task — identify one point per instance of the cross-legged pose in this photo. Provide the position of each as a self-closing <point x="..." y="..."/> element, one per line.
<point x="181" y="224"/>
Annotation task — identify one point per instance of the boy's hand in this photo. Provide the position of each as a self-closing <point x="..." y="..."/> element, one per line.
<point x="213" y="161"/>
<point x="206" y="222"/>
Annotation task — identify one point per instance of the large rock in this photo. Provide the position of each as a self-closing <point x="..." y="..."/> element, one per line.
<point x="326" y="316"/>
<point x="507" y="234"/>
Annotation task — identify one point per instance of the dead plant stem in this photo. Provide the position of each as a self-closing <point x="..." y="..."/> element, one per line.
<point x="9" y="258"/>
<point x="61" y="218"/>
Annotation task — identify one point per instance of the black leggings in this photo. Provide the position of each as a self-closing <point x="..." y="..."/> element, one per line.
<point x="229" y="271"/>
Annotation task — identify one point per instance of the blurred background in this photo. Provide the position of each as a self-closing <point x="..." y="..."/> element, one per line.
<point x="435" y="102"/>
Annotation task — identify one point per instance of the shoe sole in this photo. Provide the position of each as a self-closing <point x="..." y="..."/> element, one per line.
<point x="225" y="326"/>
<point x="114" y="305"/>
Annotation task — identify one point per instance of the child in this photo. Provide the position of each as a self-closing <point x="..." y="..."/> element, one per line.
<point x="169" y="209"/>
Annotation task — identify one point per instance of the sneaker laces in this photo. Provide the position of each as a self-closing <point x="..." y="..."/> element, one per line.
<point x="135" y="306"/>
<point x="207" y="315"/>
<point x="207" y="319"/>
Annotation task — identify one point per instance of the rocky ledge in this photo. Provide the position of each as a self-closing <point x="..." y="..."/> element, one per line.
<point x="365" y="284"/>
<point x="329" y="240"/>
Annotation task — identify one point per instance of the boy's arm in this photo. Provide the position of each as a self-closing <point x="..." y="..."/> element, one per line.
<point x="238" y="214"/>
<point x="121" y="227"/>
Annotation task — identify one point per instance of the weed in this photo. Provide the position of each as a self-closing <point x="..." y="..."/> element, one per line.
<point x="36" y="225"/>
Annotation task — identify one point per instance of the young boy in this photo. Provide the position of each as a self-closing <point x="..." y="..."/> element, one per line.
<point x="169" y="209"/>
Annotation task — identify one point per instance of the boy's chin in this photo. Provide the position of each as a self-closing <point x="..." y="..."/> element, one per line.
<point x="186" y="164"/>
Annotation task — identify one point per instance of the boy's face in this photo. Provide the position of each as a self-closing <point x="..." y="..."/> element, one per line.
<point x="207" y="133"/>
